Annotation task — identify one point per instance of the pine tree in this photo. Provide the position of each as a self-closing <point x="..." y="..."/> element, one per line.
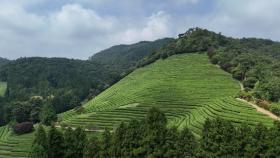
<point x="118" y="138"/>
<point x="170" y="145"/>
<point x="48" y="115"/>
<point x="69" y="140"/>
<point x="55" y="144"/>
<point x="259" y="144"/>
<point x="38" y="152"/>
<point x="92" y="148"/>
<point x="74" y="143"/>
<point x="80" y="142"/>
<point x="106" y="144"/>
<point x="39" y="147"/>
<point x="134" y="134"/>
<point x="274" y="136"/>
<point x="154" y="136"/>
<point x="187" y="144"/>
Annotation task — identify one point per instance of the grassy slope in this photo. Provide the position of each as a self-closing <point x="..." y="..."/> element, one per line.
<point x="3" y="87"/>
<point x="186" y="87"/>
<point x="13" y="146"/>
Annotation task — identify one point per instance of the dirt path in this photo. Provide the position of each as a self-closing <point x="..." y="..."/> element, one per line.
<point x="261" y="110"/>
<point x="85" y="129"/>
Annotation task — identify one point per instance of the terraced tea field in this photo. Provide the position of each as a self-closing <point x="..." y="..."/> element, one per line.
<point x="13" y="146"/>
<point x="187" y="87"/>
<point x="3" y="87"/>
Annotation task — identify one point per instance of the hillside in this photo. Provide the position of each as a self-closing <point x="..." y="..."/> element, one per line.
<point x="181" y="79"/>
<point x="14" y="146"/>
<point x="188" y="88"/>
<point x="252" y="61"/>
<point x="125" y="57"/>
<point x="59" y="83"/>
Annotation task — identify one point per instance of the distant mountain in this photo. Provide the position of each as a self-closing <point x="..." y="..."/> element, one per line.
<point x="125" y="57"/>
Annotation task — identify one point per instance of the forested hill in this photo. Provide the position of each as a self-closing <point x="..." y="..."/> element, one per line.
<point x="3" y="61"/>
<point x="63" y="82"/>
<point x="254" y="62"/>
<point x="125" y="57"/>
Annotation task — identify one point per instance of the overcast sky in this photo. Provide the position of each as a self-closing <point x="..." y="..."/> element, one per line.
<point x="80" y="28"/>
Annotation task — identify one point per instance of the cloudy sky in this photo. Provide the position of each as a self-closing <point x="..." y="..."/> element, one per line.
<point x="80" y="28"/>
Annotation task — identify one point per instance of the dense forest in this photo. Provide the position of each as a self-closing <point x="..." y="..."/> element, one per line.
<point x="151" y="138"/>
<point x="58" y="83"/>
<point x="123" y="58"/>
<point x="43" y="86"/>
<point x="254" y="62"/>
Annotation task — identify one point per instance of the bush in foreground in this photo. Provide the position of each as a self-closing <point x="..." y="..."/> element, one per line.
<point x="22" y="128"/>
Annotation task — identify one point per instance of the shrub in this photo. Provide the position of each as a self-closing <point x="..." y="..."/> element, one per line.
<point x="250" y="82"/>
<point x="237" y="74"/>
<point x="275" y="108"/>
<point x="22" y="128"/>
<point x="214" y="60"/>
<point x="226" y="67"/>
<point x="263" y="103"/>
<point x="245" y="95"/>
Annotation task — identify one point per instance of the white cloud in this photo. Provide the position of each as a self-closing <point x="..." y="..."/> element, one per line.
<point x="73" y="31"/>
<point x="156" y="26"/>
<point x="78" y="28"/>
<point x="77" y="21"/>
<point x="246" y="18"/>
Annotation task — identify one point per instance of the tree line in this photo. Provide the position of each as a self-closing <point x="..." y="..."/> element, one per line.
<point x="152" y="138"/>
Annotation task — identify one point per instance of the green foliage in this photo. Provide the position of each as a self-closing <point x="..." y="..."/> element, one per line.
<point x="270" y="90"/>
<point x="275" y="108"/>
<point x="245" y="95"/>
<point x="21" y="111"/>
<point x="48" y="115"/>
<point x="74" y="143"/>
<point x="56" y="147"/>
<point x="92" y="148"/>
<point x="3" y="88"/>
<point x="250" y="60"/>
<point x="187" y="143"/>
<point x="194" y="40"/>
<point x="250" y="82"/>
<point x="106" y="144"/>
<point x="12" y="146"/>
<point x="56" y="81"/>
<point x="186" y="87"/>
<point x="123" y="58"/>
<point x="70" y="143"/>
<point x="40" y="146"/>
